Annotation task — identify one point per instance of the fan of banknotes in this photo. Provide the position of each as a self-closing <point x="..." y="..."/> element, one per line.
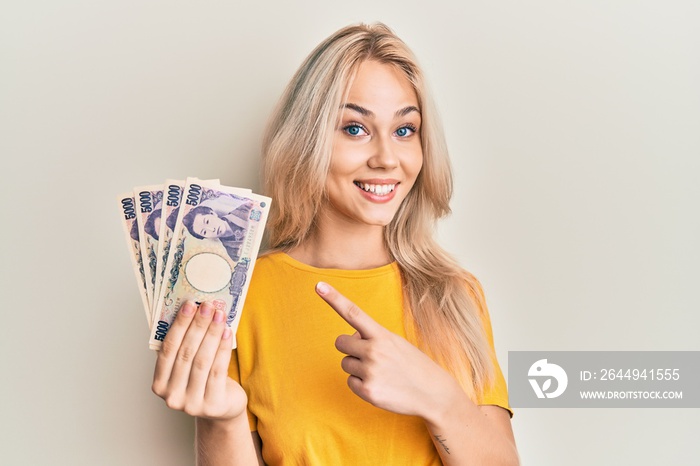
<point x="192" y="240"/>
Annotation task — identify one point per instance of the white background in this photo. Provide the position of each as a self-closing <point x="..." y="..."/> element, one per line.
<point x="574" y="129"/>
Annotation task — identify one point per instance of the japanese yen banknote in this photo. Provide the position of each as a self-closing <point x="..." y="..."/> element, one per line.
<point x="192" y="240"/>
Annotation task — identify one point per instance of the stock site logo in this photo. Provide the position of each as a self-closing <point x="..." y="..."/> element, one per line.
<point x="542" y="370"/>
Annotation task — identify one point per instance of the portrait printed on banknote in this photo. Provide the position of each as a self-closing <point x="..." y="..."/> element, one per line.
<point x="224" y="218"/>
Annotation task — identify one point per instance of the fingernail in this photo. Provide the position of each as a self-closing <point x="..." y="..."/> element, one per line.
<point x="205" y="309"/>
<point x="218" y="317"/>
<point x="227" y="334"/>
<point x="322" y="288"/>
<point x="188" y="308"/>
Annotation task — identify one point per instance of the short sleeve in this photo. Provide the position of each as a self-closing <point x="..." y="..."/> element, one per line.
<point x="497" y="393"/>
<point x="235" y="373"/>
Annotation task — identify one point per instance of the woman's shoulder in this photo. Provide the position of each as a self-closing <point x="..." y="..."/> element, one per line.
<point x="271" y="264"/>
<point x="267" y="260"/>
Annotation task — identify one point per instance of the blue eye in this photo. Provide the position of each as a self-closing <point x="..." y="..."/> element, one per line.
<point x="354" y="130"/>
<point x="405" y="131"/>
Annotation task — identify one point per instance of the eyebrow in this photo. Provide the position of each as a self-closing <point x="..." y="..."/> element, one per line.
<point x="368" y="113"/>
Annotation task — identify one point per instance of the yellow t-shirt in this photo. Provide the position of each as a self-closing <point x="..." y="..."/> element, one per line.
<point x="298" y="398"/>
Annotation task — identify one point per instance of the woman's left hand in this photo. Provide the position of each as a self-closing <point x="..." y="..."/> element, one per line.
<point x="385" y="369"/>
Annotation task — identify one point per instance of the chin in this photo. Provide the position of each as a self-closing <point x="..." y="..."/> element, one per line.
<point x="379" y="221"/>
<point x="370" y="216"/>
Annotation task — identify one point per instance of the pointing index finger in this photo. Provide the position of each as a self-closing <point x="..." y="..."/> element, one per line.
<point x="349" y="311"/>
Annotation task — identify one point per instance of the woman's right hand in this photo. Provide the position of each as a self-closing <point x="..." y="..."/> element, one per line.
<point x="191" y="372"/>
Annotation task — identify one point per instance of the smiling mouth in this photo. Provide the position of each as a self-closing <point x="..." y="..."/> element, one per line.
<point x="376" y="189"/>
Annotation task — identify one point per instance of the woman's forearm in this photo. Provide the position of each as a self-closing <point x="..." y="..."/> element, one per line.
<point x="220" y="443"/>
<point x="466" y="434"/>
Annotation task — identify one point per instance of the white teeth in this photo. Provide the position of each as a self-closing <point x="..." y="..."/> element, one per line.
<point x="378" y="189"/>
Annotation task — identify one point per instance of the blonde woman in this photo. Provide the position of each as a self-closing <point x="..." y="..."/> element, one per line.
<point x="362" y="342"/>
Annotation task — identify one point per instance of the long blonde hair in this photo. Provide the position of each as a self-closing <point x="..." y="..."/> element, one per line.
<point x="443" y="302"/>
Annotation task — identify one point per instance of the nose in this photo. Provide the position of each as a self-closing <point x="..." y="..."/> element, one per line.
<point x="383" y="155"/>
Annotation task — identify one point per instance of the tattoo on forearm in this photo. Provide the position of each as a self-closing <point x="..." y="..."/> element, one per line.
<point x="441" y="440"/>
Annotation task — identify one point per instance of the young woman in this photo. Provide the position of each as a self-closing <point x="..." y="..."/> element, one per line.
<point x="361" y="341"/>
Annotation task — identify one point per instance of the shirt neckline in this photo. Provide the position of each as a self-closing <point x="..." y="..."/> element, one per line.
<point x="392" y="267"/>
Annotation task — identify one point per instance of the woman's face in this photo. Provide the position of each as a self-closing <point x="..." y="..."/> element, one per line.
<point x="210" y="226"/>
<point x="377" y="152"/>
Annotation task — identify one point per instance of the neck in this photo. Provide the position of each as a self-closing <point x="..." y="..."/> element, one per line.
<point x="348" y="246"/>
